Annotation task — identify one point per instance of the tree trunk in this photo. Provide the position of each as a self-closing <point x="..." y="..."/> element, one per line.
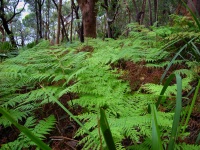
<point x="3" y="34"/>
<point x="71" y="21"/>
<point x="40" y="4"/>
<point x="47" y="31"/>
<point x="9" y="32"/>
<point x="143" y="11"/>
<point x="89" y="14"/>
<point x="136" y="9"/>
<point x="80" y="27"/>
<point x="40" y="21"/>
<point x="150" y="13"/>
<point x="155" y="10"/>
<point x="111" y="8"/>
<point x="62" y="22"/>
<point x="59" y="15"/>
<point x="37" y="20"/>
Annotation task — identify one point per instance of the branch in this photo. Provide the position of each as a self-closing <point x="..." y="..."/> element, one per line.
<point x="114" y="17"/>
<point x="42" y="2"/>
<point x="16" y="13"/>
<point x="104" y="6"/>
<point x="55" y="4"/>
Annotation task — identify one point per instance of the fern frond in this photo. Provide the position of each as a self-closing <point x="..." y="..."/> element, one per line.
<point x="40" y="130"/>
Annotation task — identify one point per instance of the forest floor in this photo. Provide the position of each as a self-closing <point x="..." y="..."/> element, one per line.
<point x="62" y="137"/>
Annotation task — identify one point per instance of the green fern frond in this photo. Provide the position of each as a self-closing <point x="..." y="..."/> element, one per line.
<point x="40" y="130"/>
<point x="18" y="115"/>
<point x="184" y="146"/>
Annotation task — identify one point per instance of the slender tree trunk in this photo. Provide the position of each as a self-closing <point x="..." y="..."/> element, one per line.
<point x="136" y="9"/>
<point x="71" y="21"/>
<point x="58" y="29"/>
<point x="9" y="32"/>
<point x="81" y="33"/>
<point x="143" y="10"/>
<point x="48" y="19"/>
<point x="40" y="20"/>
<point x="150" y="14"/>
<point x="156" y="11"/>
<point x="111" y="8"/>
<point x="89" y="13"/>
<point x="64" y="30"/>
<point x="46" y="23"/>
<point x="80" y="27"/>
<point x="62" y="22"/>
<point x="22" y="38"/>
<point x="3" y="34"/>
<point x="37" y="20"/>
<point x="129" y="15"/>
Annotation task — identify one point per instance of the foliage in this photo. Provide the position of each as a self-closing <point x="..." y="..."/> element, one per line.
<point x="44" y="73"/>
<point x="5" y="47"/>
<point x="31" y="45"/>
<point x="40" y="130"/>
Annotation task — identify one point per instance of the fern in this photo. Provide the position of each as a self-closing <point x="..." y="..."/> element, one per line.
<point x="40" y="130"/>
<point x="93" y="77"/>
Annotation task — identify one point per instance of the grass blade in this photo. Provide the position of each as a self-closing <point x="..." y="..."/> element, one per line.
<point x="25" y="130"/>
<point x="191" y="106"/>
<point x="198" y="139"/>
<point x="177" y="114"/>
<point x="164" y="89"/>
<point x="191" y="12"/>
<point x="106" y="130"/>
<point x="69" y="113"/>
<point x="174" y="58"/>
<point x="156" y="141"/>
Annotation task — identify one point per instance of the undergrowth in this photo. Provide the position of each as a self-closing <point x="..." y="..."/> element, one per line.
<point x="93" y="75"/>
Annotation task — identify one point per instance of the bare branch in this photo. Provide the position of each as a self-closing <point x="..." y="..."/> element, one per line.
<point x="16" y="13"/>
<point x="115" y="15"/>
<point x="55" y="4"/>
<point x="104" y="6"/>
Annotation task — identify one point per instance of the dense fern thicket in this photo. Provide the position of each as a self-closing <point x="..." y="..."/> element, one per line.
<point x="93" y="71"/>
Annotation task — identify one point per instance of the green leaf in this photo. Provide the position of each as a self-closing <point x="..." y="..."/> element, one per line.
<point x="174" y="58"/>
<point x="177" y="114"/>
<point x="164" y="89"/>
<point x="198" y="139"/>
<point x="106" y="130"/>
<point x="156" y="141"/>
<point x="191" y="106"/>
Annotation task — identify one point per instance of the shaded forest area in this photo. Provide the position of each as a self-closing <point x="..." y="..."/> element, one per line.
<point x="107" y="74"/>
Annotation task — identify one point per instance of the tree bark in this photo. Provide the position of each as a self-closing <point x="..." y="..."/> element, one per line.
<point x="3" y="34"/>
<point x="155" y="10"/>
<point x="80" y="26"/>
<point x="47" y="31"/>
<point x="72" y="12"/>
<point x="89" y="14"/>
<point x="136" y="9"/>
<point x="37" y="21"/>
<point x="150" y="14"/>
<point x="143" y="11"/>
<point x="62" y="22"/>
<point x="9" y="32"/>
<point x="111" y="8"/>
<point x="59" y="16"/>
<point x="40" y="4"/>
